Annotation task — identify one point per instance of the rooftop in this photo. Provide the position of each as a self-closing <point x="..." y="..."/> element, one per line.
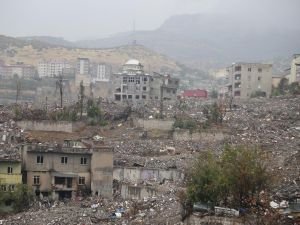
<point x="133" y="62"/>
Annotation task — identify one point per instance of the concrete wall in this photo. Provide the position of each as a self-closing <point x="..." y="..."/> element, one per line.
<point x="137" y="174"/>
<point x="137" y="192"/>
<point x="186" y="135"/>
<point x="102" y="171"/>
<point x="154" y="124"/>
<point x="45" y="125"/>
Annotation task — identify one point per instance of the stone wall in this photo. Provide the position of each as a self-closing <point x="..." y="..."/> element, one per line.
<point x="45" y="125"/>
<point x="136" y="174"/>
<point x="154" y="124"/>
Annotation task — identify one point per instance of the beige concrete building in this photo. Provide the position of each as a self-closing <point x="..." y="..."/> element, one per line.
<point x="294" y="75"/>
<point x="247" y="79"/>
<point x="68" y="171"/>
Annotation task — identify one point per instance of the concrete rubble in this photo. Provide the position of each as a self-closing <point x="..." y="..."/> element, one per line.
<point x="271" y="124"/>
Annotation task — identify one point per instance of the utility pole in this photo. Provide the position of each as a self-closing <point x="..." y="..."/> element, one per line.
<point x="59" y="84"/>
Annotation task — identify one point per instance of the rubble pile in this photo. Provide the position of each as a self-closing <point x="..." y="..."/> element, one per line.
<point x="10" y="136"/>
<point x="274" y="125"/>
<point x="154" y="210"/>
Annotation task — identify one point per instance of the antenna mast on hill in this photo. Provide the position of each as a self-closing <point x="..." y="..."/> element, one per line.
<point x="133" y="33"/>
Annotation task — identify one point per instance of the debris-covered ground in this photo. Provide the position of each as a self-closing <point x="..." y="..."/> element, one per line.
<point x="272" y="124"/>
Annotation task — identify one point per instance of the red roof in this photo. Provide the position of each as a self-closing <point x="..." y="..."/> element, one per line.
<point x="195" y="93"/>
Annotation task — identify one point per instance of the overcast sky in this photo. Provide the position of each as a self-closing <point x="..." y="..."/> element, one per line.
<point x="87" y="19"/>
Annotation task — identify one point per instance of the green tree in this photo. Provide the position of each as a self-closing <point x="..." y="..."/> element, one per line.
<point x="234" y="179"/>
<point x="283" y="86"/>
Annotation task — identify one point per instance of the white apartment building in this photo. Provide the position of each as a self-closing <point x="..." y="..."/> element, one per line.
<point x="83" y="66"/>
<point x="103" y="72"/>
<point x="52" y="68"/>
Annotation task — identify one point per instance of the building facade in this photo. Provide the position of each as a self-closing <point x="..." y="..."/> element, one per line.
<point x="52" y="68"/>
<point x="294" y="75"/>
<point x="248" y="79"/>
<point x="68" y="171"/>
<point x="132" y="84"/>
<point x="102" y="72"/>
<point x="20" y="69"/>
<point x="10" y="174"/>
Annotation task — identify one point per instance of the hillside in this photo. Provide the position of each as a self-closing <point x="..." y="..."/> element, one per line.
<point x="15" y="50"/>
<point x="206" y="41"/>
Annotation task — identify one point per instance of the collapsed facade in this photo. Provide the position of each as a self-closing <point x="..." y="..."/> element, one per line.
<point x="132" y="84"/>
<point x="68" y="171"/>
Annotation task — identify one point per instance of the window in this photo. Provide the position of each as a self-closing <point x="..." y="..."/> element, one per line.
<point x="3" y="187"/>
<point x="249" y="69"/>
<point x="259" y="70"/>
<point x="11" y="187"/>
<point x="9" y="170"/>
<point x="137" y="81"/>
<point x="129" y="96"/>
<point x="36" y="180"/>
<point x="145" y="79"/>
<point x="258" y="78"/>
<point x="137" y="97"/>
<point x="143" y="96"/>
<point x="131" y="79"/>
<point x="238" y="68"/>
<point x="124" y="79"/>
<point x="81" y="180"/>
<point x="144" y="88"/>
<point x="40" y="159"/>
<point x="237" y="76"/>
<point x="64" y="160"/>
<point x="83" y="161"/>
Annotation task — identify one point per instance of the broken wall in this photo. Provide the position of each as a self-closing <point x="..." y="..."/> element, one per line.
<point x="154" y="124"/>
<point x="137" y="174"/>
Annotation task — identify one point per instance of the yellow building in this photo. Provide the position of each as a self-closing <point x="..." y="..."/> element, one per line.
<point x="10" y="174"/>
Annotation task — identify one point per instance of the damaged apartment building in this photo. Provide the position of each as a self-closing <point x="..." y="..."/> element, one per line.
<point x="248" y="79"/>
<point x="132" y="84"/>
<point x="73" y="169"/>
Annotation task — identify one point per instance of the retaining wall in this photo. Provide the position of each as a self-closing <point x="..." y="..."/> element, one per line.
<point x="45" y="125"/>
<point x="154" y="124"/>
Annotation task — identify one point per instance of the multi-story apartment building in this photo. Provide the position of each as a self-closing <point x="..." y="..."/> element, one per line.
<point x="83" y="66"/>
<point x="102" y="72"/>
<point x="246" y="79"/>
<point x="52" y="68"/>
<point x="20" y="69"/>
<point x="68" y="171"/>
<point x="132" y="84"/>
<point x="10" y="174"/>
<point x="83" y="72"/>
<point x="294" y="73"/>
<point x="163" y="86"/>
